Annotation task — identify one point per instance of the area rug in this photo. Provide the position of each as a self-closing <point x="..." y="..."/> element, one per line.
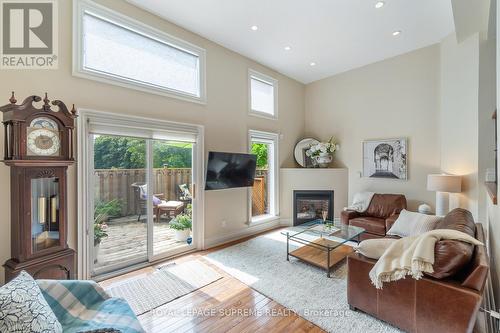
<point x="168" y="283"/>
<point x="261" y="264"/>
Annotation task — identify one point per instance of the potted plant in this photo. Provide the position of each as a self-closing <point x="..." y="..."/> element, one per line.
<point x="100" y="232"/>
<point x="102" y="212"/>
<point x="322" y="152"/>
<point x="182" y="224"/>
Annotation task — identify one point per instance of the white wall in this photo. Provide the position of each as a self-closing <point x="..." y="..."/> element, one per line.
<point x="224" y="116"/>
<point x="486" y="125"/>
<point x="398" y="97"/>
<point x="459" y="117"/>
<point x="333" y="179"/>
<point x="494" y="211"/>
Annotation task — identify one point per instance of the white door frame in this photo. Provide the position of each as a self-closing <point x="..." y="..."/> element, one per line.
<point x="84" y="166"/>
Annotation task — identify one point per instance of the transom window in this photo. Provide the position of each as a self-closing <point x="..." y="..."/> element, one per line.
<point x="118" y="50"/>
<point x="263" y="97"/>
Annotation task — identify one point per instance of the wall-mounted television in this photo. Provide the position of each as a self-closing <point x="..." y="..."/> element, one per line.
<point x="230" y="170"/>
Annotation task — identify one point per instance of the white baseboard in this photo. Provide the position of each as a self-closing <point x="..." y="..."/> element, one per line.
<point x="251" y="230"/>
<point x="286" y="222"/>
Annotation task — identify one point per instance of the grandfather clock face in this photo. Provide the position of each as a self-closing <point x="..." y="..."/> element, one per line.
<point x="43" y="138"/>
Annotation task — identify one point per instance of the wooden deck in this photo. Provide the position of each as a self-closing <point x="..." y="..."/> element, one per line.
<point x="128" y="241"/>
<point x="226" y="305"/>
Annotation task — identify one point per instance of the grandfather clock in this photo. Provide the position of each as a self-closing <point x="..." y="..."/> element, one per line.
<point x="38" y="149"/>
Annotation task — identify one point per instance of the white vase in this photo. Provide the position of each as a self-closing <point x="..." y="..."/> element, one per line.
<point x="324" y="159"/>
<point x="182" y="235"/>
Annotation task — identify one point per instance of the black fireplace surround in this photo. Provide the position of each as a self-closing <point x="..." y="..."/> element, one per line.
<point x="308" y="205"/>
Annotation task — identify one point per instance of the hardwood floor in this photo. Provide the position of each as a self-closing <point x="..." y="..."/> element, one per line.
<point x="226" y="305"/>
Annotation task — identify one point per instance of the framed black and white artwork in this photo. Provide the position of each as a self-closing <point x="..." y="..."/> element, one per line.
<point x="386" y="158"/>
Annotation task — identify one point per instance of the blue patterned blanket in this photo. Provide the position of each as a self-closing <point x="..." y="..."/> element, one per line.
<point x="83" y="306"/>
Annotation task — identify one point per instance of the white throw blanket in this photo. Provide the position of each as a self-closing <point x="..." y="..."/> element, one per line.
<point x="413" y="256"/>
<point x="360" y="202"/>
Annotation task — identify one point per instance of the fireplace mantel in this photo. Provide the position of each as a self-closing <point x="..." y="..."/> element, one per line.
<point x="335" y="179"/>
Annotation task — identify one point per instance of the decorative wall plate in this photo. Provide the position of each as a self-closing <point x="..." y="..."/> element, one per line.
<point x="300" y="152"/>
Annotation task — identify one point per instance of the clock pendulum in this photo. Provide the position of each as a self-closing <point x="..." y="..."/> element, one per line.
<point x="53" y="205"/>
<point x="42" y="205"/>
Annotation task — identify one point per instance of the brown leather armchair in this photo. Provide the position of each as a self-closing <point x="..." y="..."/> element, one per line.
<point x="445" y="301"/>
<point x="381" y="214"/>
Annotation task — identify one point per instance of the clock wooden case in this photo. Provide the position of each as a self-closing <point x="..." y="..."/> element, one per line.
<point x="38" y="146"/>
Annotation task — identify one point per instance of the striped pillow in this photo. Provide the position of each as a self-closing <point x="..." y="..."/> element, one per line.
<point x="413" y="224"/>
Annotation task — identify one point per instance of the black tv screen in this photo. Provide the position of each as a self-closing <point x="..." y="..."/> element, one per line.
<point x="229" y="170"/>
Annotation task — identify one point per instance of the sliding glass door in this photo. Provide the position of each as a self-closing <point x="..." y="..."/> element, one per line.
<point x="172" y="199"/>
<point x="120" y="218"/>
<point x="143" y="200"/>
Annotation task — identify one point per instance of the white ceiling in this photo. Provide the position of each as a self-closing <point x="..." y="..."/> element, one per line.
<point x="338" y="35"/>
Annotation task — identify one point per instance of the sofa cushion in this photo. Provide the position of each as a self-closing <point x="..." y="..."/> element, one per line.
<point x="24" y="309"/>
<point x="451" y="256"/>
<point x="459" y="219"/>
<point x="374" y="248"/>
<point x="384" y="205"/>
<point x="370" y="224"/>
<point x="413" y="224"/>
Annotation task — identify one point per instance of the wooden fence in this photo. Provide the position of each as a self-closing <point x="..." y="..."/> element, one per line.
<point x="117" y="184"/>
<point x="259" y="193"/>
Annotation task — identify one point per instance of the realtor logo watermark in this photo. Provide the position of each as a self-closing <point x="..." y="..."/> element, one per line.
<point x="29" y="34"/>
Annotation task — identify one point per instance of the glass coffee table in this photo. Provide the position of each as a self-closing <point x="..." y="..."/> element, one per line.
<point x="324" y="242"/>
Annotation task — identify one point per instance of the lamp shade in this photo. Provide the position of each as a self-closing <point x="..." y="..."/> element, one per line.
<point x="444" y="183"/>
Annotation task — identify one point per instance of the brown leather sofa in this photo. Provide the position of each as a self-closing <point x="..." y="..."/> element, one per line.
<point x="444" y="301"/>
<point x="379" y="217"/>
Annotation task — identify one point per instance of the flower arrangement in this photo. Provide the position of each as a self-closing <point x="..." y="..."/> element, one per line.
<point x="100" y="232"/>
<point x="323" y="148"/>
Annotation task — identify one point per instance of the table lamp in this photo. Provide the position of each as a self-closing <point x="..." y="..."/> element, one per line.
<point x="444" y="185"/>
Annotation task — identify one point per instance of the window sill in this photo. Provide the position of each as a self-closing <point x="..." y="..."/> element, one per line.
<point x="262" y="115"/>
<point x="131" y="84"/>
<point x="263" y="219"/>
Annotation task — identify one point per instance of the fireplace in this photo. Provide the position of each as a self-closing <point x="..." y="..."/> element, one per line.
<point x="309" y="205"/>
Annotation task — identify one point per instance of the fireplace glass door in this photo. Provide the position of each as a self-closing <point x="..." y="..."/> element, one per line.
<point x="311" y="205"/>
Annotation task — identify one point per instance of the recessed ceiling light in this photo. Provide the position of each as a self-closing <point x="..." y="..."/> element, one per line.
<point x="254" y="27"/>
<point x="287" y="48"/>
<point x="379" y="4"/>
<point x="396" y="33"/>
<point x="312" y="63"/>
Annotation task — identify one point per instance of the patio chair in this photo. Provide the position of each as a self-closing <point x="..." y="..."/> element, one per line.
<point x="160" y="205"/>
<point x="184" y="194"/>
<point x="140" y="192"/>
